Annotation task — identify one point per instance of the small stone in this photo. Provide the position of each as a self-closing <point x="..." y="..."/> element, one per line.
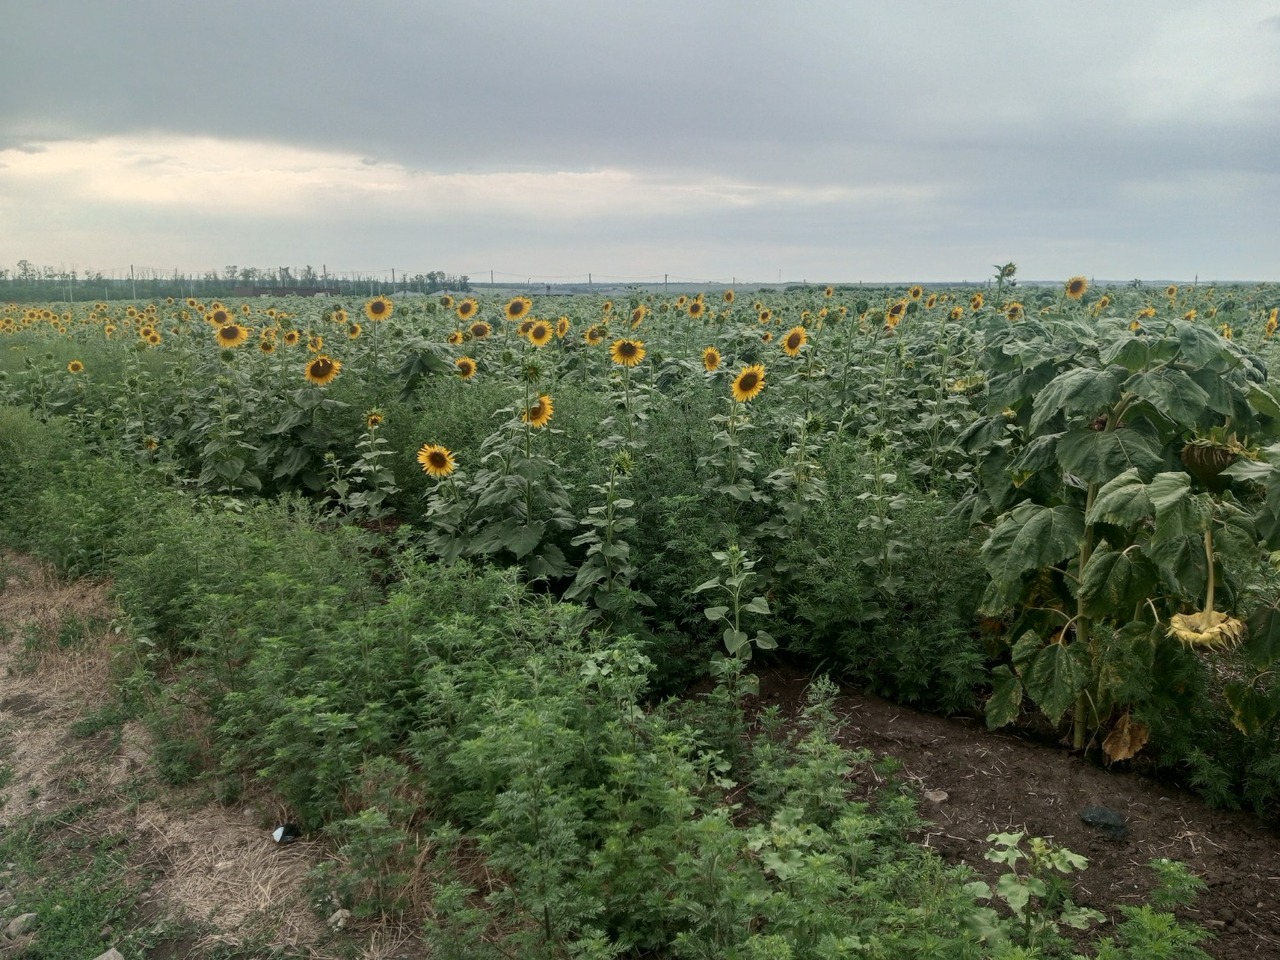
<point x="936" y="796"/>
<point x="1107" y="820"/>
<point x="338" y="920"/>
<point x="106" y="932"/>
<point x="6" y="898"/>
<point x="112" y="954"/>
<point x="20" y="925"/>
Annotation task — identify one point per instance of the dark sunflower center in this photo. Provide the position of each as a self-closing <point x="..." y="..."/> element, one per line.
<point x="626" y="349"/>
<point x="793" y="341"/>
<point x="437" y="459"/>
<point x="322" y="367"/>
<point x="748" y="382"/>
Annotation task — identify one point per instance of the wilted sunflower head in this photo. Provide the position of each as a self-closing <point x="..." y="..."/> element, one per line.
<point x="627" y="353"/>
<point x="1209" y="629"/>
<point x="748" y="383"/>
<point x="796" y="338"/>
<point x="374" y="419"/>
<point x="1076" y="288"/>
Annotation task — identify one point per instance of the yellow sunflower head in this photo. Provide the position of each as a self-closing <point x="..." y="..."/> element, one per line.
<point x="455" y="337"/>
<point x="518" y="308"/>
<point x="1171" y="291"/>
<point x="627" y="353"/>
<point x="75" y="366"/>
<point x="322" y="370"/>
<point x="1207" y="629"/>
<point x="916" y="292"/>
<point x="562" y="327"/>
<point x="975" y="302"/>
<point x="748" y="383"/>
<point x="540" y="333"/>
<point x="638" y="315"/>
<point x="592" y="335"/>
<point x="446" y="301"/>
<point x="436" y="460"/>
<point x="315" y="343"/>
<point x="266" y="345"/>
<point x="765" y="315"/>
<point x="354" y="331"/>
<point x="468" y="308"/>
<point x="466" y="367"/>
<point x="710" y="359"/>
<point x="379" y="308"/>
<point x="696" y="308"/>
<point x="539" y="415"/>
<point x="480" y="330"/>
<point x="829" y="292"/>
<point x="374" y="419"/>
<point x="1014" y="311"/>
<point x="291" y="338"/>
<point x="218" y="316"/>
<point x="1076" y="288"/>
<point x="956" y="312"/>
<point x="727" y="296"/>
<point x="796" y="338"/>
<point x="231" y="335"/>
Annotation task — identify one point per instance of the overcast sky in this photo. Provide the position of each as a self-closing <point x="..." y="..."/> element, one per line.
<point x="832" y="140"/>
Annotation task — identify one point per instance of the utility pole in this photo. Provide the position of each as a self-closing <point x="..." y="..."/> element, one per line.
<point x="134" y="281"/>
<point x="664" y="284"/>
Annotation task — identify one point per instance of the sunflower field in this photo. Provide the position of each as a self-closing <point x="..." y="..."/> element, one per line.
<point x="433" y="571"/>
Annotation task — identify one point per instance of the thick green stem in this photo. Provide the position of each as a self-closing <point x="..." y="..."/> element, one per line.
<point x="1208" y="556"/>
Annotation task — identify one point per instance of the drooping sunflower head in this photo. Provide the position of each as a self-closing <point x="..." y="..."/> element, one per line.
<point x="468" y="308"/>
<point x="638" y="315"/>
<point x="1014" y="311"/>
<point x="315" y="343"/>
<point x="540" y="333"/>
<point x="1076" y="288"/>
<point x="466" y="367"/>
<point x="75" y="366"/>
<point x="710" y="359"/>
<point x="518" y="308"/>
<point x="231" y="335"/>
<point x="455" y="338"/>
<point x="956" y="312"/>
<point x="795" y="339"/>
<point x="627" y="353"/>
<point x="562" y="327"/>
<point x="748" y="383"/>
<point x="1209" y="629"/>
<point x="374" y="419"/>
<point x="539" y="414"/>
<point x="480" y="330"/>
<point x="322" y="370"/>
<point x="379" y="308"/>
<point x="436" y="460"/>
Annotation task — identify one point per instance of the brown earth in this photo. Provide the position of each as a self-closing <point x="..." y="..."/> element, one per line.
<point x="995" y="782"/>
<point x="216" y="870"/>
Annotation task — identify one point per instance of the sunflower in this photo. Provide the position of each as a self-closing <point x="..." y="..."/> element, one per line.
<point x="455" y="338"/>
<point x="956" y="313"/>
<point x="191" y="302"/>
<point x="540" y="333"/>
<point x="525" y="327"/>
<point x="75" y="366"/>
<point x="266" y="344"/>
<point x="748" y="383"/>
<point x="710" y="359"/>
<point x="627" y="353"/>
<point x="681" y="301"/>
<point x="340" y="316"/>
<point x="1076" y="287"/>
<point x="436" y="460"/>
<point x="562" y="327"/>
<point x="467" y="309"/>
<point x="916" y="292"/>
<point x="291" y="338"/>
<point x="1171" y="291"/>
<point x="1146" y="312"/>
<point x="592" y="335"/>
<point x="374" y="419"/>
<point x="315" y="343"/>
<point x="1190" y="315"/>
<point x="767" y="337"/>
<point x="893" y="316"/>
<point x="354" y="331"/>
<point x="638" y="315"/>
<point x="696" y="308"/>
<point x="322" y="370"/>
<point x="108" y="330"/>
<point x="975" y="302"/>
<point x="765" y="315"/>
<point x="153" y="338"/>
<point x="466" y="367"/>
<point x="539" y="415"/>
<point x="517" y="308"/>
<point x="1273" y="321"/>
<point x="829" y="292"/>
<point x="607" y="307"/>
<point x="796" y="338"/>
<point x="447" y="302"/>
<point x="1206" y="629"/>
<point x="931" y="302"/>
<point x="1014" y="311"/>
<point x="231" y="335"/>
<point x="379" y="308"/>
<point x="246" y="309"/>
<point x="480" y="330"/>
<point x="218" y="316"/>
<point x="727" y="296"/>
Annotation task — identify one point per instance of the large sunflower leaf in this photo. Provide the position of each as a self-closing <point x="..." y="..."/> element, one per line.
<point x="1123" y="500"/>
<point x="1179" y="512"/>
<point x="1172" y="392"/>
<point x="1032" y="536"/>
<point x="1114" y="581"/>
<point x="1097" y="456"/>
<point x="1055" y="676"/>
<point x="1085" y="390"/>
<point x="1006" y="697"/>
<point x="1262" y="645"/>
<point x="1181" y="563"/>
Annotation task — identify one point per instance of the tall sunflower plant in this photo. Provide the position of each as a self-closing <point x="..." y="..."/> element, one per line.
<point x="1108" y="466"/>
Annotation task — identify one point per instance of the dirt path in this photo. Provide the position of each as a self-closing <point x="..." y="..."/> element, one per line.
<point x="994" y="782"/>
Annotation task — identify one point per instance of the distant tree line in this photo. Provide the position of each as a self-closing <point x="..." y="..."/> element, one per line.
<point x="27" y="282"/>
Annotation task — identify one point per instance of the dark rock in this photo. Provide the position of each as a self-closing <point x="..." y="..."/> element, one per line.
<point x="1110" y="822"/>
